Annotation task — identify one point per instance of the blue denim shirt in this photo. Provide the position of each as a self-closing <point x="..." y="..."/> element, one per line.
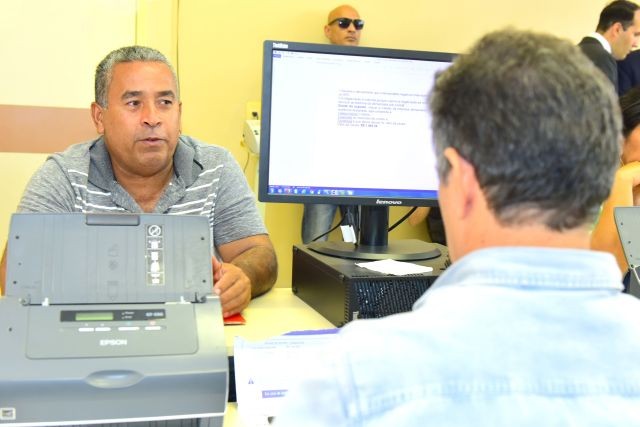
<point x="511" y="336"/>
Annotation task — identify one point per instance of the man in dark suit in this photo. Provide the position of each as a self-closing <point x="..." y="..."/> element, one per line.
<point x="629" y="72"/>
<point x="618" y="31"/>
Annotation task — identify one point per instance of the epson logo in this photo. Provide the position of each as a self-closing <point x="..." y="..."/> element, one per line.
<point x="112" y="342"/>
<point x="388" y="202"/>
<point x="281" y="45"/>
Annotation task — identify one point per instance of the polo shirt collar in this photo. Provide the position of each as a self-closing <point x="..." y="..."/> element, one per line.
<point x="186" y="167"/>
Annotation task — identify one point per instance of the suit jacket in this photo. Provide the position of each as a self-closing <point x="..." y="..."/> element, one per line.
<point x="629" y="72"/>
<point x="601" y="58"/>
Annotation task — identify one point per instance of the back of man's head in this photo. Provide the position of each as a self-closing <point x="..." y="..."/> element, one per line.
<point x="104" y="70"/>
<point x="621" y="11"/>
<point x="539" y="124"/>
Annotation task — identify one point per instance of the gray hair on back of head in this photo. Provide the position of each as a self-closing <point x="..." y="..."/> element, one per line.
<point x="539" y="123"/>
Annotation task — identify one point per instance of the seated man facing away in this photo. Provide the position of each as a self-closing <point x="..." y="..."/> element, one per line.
<point x="528" y="327"/>
<point x="141" y="163"/>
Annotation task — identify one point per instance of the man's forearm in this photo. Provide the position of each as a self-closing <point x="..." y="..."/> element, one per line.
<point x="260" y="265"/>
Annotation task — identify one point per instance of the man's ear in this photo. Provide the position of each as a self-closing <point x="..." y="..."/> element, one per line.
<point x="327" y="30"/>
<point x="617" y="28"/>
<point x="96" y="116"/>
<point x="462" y="178"/>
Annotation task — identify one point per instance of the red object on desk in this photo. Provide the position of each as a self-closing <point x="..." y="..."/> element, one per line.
<point x="235" y="319"/>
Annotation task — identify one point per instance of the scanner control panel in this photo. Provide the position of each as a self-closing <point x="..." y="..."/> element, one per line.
<point x="108" y="331"/>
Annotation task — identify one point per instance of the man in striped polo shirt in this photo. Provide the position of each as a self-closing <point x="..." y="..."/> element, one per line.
<point x="141" y="163"/>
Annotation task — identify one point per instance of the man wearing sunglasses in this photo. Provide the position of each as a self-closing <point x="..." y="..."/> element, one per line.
<point x="344" y="26"/>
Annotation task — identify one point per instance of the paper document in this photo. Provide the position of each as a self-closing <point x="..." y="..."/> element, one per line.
<point x="397" y="268"/>
<point x="265" y="370"/>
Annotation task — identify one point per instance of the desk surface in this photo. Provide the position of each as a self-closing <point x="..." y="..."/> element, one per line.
<point x="277" y="312"/>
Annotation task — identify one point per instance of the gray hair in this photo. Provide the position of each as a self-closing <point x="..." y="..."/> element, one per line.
<point x="539" y="123"/>
<point x="104" y="70"/>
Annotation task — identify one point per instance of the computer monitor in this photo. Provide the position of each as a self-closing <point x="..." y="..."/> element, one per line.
<point x="350" y="125"/>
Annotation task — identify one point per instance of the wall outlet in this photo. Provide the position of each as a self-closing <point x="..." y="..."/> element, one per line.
<point x="253" y="111"/>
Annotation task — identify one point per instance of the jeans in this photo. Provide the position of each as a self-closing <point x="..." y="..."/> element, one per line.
<point x="318" y="218"/>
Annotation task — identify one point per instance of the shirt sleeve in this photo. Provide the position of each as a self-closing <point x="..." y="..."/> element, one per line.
<point x="48" y="190"/>
<point x="236" y="215"/>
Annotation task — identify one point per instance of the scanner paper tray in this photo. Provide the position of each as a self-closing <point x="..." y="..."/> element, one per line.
<point x="80" y="258"/>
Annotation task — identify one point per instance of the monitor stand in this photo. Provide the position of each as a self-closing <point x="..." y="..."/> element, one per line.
<point x="374" y="241"/>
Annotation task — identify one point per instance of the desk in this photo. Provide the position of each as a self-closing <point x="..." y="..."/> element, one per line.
<point x="277" y="312"/>
<point x="274" y="313"/>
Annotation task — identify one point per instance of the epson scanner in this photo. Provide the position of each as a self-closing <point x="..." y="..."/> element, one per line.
<point x="111" y="319"/>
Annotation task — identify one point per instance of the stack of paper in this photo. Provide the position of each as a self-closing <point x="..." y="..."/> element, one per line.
<point x="266" y="369"/>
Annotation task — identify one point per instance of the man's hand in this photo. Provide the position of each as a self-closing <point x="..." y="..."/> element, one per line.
<point x="232" y="285"/>
<point x="628" y="177"/>
<point x="629" y="174"/>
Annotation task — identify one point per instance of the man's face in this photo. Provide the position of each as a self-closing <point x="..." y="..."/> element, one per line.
<point x="141" y="123"/>
<point x="627" y="39"/>
<point x="342" y="36"/>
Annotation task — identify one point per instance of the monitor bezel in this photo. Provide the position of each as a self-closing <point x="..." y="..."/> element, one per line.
<point x="265" y="124"/>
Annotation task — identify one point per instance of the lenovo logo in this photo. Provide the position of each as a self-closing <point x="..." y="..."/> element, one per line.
<point x="112" y="342"/>
<point x="388" y="202"/>
<point x="281" y="45"/>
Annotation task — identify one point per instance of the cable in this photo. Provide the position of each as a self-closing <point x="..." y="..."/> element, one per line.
<point x="342" y="222"/>
<point x="324" y="234"/>
<point x="246" y="163"/>
<point x="401" y="220"/>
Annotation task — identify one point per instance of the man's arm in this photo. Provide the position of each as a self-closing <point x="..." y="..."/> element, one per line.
<point x="249" y="269"/>
<point x="418" y="216"/>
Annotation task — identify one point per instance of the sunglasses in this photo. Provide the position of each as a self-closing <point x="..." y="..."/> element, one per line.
<point x="345" y="22"/>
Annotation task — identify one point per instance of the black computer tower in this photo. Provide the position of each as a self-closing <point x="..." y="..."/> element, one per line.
<point x="342" y="291"/>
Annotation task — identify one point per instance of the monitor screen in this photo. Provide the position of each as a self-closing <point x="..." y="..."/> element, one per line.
<point x="347" y="125"/>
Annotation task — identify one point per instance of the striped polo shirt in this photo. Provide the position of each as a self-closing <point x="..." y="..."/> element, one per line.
<point x="207" y="181"/>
